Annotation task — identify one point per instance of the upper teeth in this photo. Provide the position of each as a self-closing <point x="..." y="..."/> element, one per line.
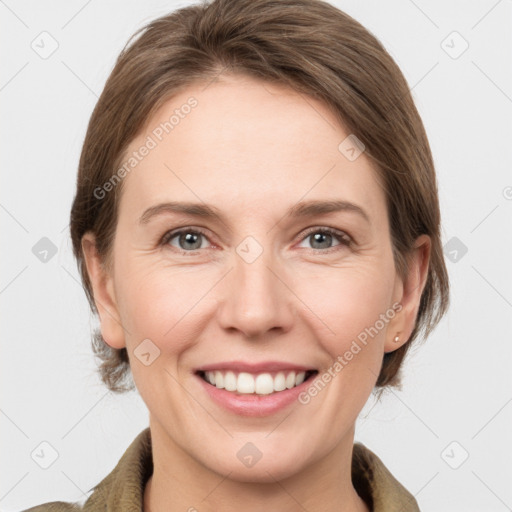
<point x="261" y="383"/>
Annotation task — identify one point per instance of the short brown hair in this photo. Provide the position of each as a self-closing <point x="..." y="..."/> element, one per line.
<point x="308" y="45"/>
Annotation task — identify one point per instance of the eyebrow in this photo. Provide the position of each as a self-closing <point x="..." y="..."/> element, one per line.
<point x="299" y="210"/>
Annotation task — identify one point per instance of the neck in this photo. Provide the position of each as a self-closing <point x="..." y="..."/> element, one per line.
<point x="180" y="482"/>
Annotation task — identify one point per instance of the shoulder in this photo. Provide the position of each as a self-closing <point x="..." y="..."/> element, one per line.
<point x="377" y="485"/>
<point x="124" y="484"/>
<point x="55" y="506"/>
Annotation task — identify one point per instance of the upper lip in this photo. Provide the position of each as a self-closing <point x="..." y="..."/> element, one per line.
<point x="264" y="366"/>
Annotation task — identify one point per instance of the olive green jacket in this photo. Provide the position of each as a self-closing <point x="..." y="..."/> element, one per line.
<point x="123" y="489"/>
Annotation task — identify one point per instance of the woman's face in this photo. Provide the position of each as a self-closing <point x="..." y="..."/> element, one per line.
<point x="260" y="283"/>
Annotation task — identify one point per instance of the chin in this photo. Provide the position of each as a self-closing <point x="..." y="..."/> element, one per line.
<point x="261" y="472"/>
<point x="251" y="465"/>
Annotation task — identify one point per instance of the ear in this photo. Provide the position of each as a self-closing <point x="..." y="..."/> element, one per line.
<point x="408" y="294"/>
<point x="104" y="296"/>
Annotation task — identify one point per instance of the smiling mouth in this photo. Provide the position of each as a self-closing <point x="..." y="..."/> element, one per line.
<point x="245" y="383"/>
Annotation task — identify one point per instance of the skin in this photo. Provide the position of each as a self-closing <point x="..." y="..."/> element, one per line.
<point x="253" y="150"/>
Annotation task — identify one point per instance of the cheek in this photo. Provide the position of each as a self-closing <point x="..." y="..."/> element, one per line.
<point x="161" y="303"/>
<point x="346" y="302"/>
<point x="352" y="313"/>
<point x="165" y="306"/>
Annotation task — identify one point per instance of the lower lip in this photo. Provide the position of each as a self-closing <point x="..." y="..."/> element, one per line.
<point x="252" y="404"/>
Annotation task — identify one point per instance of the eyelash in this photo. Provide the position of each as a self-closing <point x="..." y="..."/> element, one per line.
<point x="344" y="239"/>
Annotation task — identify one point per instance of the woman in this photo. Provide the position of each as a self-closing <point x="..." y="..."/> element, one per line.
<point x="279" y="140"/>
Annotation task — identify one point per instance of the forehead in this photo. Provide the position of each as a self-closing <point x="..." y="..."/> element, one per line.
<point x="247" y="142"/>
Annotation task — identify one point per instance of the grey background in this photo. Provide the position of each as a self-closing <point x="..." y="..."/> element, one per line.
<point x="457" y="385"/>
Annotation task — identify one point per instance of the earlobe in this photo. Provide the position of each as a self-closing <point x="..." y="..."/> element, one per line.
<point x="401" y="328"/>
<point x="104" y="296"/>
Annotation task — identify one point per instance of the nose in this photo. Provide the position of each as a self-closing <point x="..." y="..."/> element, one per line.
<point x="257" y="299"/>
